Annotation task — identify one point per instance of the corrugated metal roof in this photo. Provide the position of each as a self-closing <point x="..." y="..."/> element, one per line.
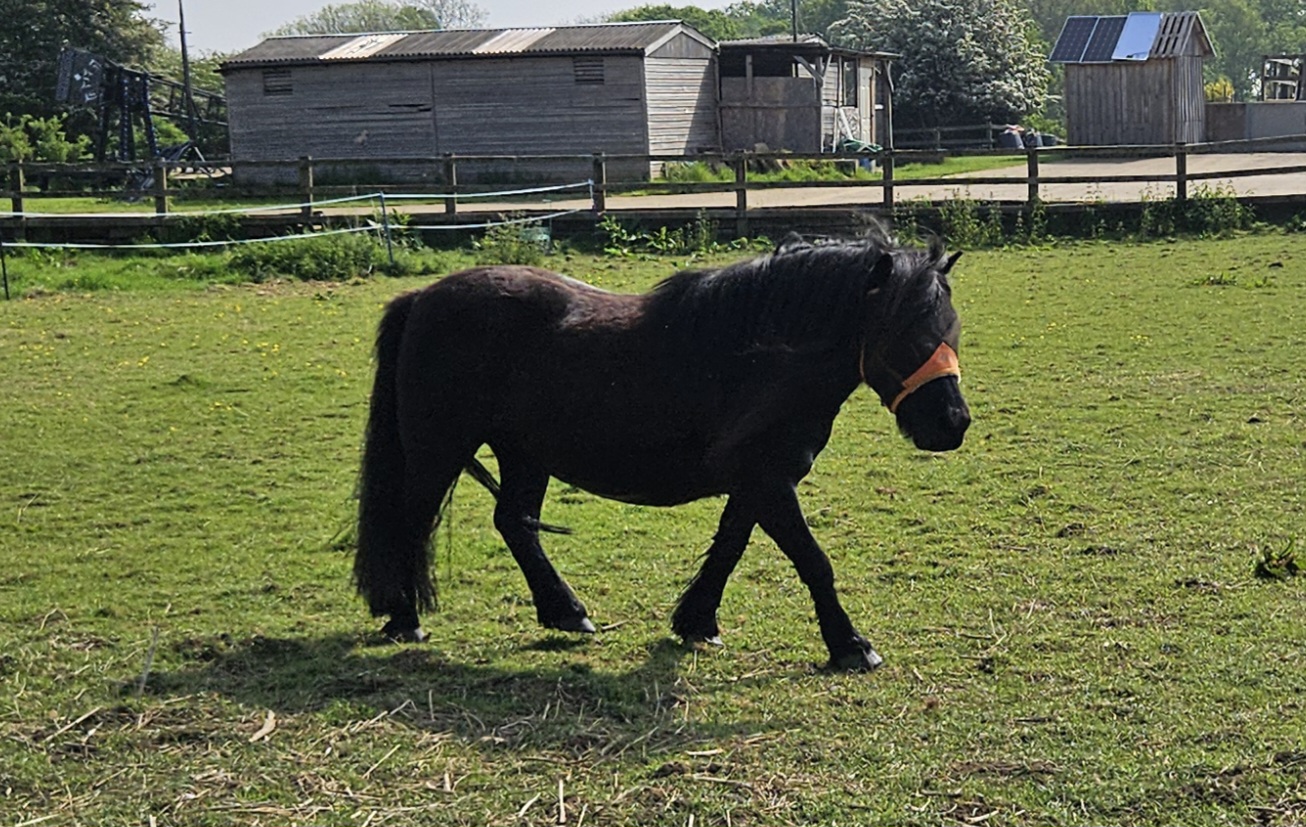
<point x="781" y="40"/>
<point x="806" y="44"/>
<point x="597" y="39"/>
<point x="511" y="41"/>
<point x="361" y="47"/>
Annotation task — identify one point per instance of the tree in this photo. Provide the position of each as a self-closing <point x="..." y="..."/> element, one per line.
<point x="35" y="31"/>
<point x="386" y="16"/>
<point x="454" y="14"/>
<point x="714" y="23"/>
<point x="1050" y="15"/>
<point x="963" y="61"/>
<point x="814" y="16"/>
<point x="744" y="19"/>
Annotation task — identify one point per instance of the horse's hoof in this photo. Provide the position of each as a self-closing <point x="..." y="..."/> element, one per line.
<point x="582" y="625"/>
<point x="867" y="660"/>
<point x="692" y="641"/>
<point x="694" y="628"/>
<point x="715" y="640"/>
<point x="402" y="634"/>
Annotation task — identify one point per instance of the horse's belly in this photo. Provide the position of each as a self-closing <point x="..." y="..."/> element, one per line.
<point x="643" y="475"/>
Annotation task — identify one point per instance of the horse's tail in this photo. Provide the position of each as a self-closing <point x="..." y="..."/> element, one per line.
<point x="392" y="565"/>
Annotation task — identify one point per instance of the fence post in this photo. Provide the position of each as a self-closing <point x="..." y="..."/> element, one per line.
<point x="450" y="184"/>
<point x="938" y="139"/>
<point x="1181" y="172"/>
<point x="740" y="163"/>
<point x="306" y="186"/>
<point x="385" y="227"/>
<point x="160" y="186"/>
<point x="886" y="177"/>
<point x="1031" y="182"/>
<point x="17" y="180"/>
<point x="599" y="174"/>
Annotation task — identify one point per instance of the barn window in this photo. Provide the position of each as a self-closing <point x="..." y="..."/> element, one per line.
<point x="587" y="70"/>
<point x="277" y="82"/>
<point x="849" y="81"/>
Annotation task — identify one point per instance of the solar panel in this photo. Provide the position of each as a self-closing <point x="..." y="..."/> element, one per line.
<point x="1103" y="43"/>
<point x="1135" y="41"/>
<point x="1074" y="37"/>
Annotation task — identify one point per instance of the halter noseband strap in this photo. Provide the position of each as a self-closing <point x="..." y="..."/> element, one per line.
<point x="942" y="362"/>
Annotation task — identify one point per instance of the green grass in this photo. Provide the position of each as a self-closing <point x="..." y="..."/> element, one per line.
<point x="1074" y="627"/>
<point x="836" y="171"/>
<point x="959" y="165"/>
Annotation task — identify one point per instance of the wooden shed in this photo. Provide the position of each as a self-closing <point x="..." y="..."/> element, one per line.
<point x="1134" y="79"/>
<point x="803" y="95"/>
<point x="624" y="88"/>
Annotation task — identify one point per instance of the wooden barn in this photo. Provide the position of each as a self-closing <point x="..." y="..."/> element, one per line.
<point x="627" y="88"/>
<point x="1134" y="79"/>
<point x="803" y="95"/>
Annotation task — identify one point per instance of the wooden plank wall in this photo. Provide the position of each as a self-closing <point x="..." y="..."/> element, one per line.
<point x="509" y="106"/>
<point x="333" y="111"/>
<point x="1120" y="103"/>
<point x="1159" y="101"/>
<point x="782" y="113"/>
<point x="682" y="105"/>
<point x="1190" y="100"/>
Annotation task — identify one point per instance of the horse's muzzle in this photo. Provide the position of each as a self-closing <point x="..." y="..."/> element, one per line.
<point x="936" y="416"/>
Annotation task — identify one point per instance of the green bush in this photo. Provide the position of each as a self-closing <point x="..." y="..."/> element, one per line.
<point x="30" y="138"/>
<point x="523" y="243"/>
<point x="182" y="227"/>
<point x="698" y="236"/>
<point x="967" y="225"/>
<point x="324" y="258"/>
<point x="1216" y="211"/>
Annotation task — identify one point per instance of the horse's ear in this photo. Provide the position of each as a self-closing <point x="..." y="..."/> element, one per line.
<point x="791" y="241"/>
<point x="880" y="272"/>
<point x="947" y="265"/>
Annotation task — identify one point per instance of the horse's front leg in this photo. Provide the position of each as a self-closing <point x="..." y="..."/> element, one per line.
<point x="695" y="617"/>
<point x="780" y="516"/>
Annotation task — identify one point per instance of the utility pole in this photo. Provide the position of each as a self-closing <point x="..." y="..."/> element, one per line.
<point x="188" y="97"/>
<point x="793" y="18"/>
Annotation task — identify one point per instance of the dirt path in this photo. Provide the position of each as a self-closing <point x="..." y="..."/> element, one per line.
<point x="1260" y="185"/>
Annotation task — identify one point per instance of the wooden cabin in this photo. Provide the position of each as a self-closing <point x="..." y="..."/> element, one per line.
<point x="620" y="88"/>
<point x="803" y="95"/>
<point x="1134" y="79"/>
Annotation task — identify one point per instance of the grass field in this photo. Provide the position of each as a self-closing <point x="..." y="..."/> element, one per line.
<point x="1074" y="628"/>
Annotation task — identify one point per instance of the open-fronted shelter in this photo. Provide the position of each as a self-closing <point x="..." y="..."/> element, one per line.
<point x="803" y="95"/>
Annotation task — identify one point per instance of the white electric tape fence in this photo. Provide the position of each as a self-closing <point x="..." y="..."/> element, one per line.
<point x="380" y="200"/>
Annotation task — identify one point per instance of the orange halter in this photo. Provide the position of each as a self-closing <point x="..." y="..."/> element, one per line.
<point x="942" y="362"/>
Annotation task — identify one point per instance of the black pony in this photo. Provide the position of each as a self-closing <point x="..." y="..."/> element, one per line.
<point x="716" y="382"/>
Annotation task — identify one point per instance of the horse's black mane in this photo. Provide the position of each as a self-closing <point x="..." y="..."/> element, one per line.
<point x="804" y="295"/>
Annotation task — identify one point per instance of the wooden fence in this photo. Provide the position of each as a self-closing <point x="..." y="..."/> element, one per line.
<point x="163" y="183"/>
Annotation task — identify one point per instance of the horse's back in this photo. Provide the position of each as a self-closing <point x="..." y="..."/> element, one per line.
<point x="563" y="371"/>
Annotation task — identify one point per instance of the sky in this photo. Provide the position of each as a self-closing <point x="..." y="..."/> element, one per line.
<point x="233" y="25"/>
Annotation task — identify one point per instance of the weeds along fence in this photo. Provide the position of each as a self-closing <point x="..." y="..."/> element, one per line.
<point x="460" y="190"/>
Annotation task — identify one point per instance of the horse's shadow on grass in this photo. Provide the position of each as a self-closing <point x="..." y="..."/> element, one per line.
<point x="568" y="707"/>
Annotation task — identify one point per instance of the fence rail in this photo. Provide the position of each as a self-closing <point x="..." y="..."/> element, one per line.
<point x="443" y="181"/>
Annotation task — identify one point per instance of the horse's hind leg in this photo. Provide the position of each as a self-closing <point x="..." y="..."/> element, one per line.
<point x="517" y="517"/>
<point x="695" y="616"/>
<point x="397" y="516"/>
